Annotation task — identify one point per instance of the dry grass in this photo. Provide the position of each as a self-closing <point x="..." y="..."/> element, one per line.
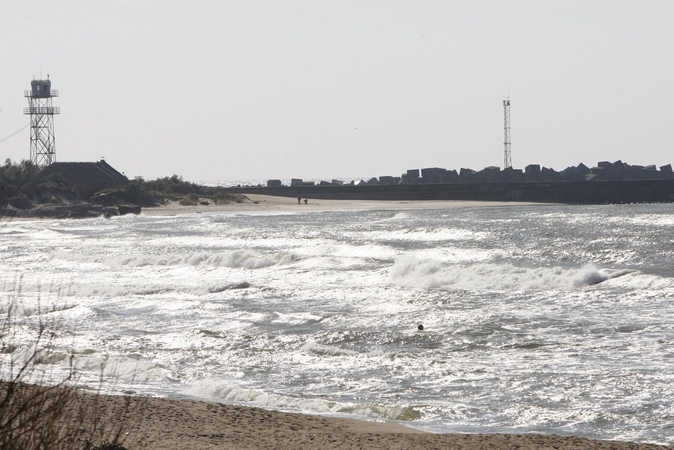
<point x="189" y="200"/>
<point x="54" y="417"/>
<point x="38" y="413"/>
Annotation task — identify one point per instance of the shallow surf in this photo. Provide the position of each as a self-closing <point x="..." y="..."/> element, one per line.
<point x="553" y="319"/>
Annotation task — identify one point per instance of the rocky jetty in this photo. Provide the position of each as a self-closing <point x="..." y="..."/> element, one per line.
<point x="607" y="182"/>
<point x="603" y="171"/>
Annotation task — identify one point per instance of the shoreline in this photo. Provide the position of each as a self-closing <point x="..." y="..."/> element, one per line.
<point x="270" y="203"/>
<point x="201" y="425"/>
<point x="167" y="424"/>
<point x="255" y="203"/>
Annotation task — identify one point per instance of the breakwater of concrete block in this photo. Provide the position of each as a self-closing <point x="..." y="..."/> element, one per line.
<point x="607" y="182"/>
<point x="572" y="192"/>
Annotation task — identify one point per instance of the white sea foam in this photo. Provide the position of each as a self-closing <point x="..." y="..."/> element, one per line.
<point x="296" y="318"/>
<point x="247" y="259"/>
<point x="430" y="235"/>
<point x="348" y="251"/>
<point x="428" y="274"/>
<point x="320" y="349"/>
<point x="216" y="390"/>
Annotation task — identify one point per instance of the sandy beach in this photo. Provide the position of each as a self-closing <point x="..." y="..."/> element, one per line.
<point x="163" y="424"/>
<point x="271" y="204"/>
<point x="264" y="204"/>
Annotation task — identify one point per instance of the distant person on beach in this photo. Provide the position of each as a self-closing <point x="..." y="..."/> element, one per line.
<point x="299" y="200"/>
<point x="306" y="200"/>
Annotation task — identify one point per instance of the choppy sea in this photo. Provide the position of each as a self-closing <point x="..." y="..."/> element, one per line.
<point x="548" y="319"/>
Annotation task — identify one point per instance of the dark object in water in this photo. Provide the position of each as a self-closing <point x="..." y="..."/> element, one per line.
<point x="128" y="209"/>
<point x="420" y="327"/>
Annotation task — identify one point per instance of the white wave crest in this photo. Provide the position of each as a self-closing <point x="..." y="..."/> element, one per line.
<point x="219" y="391"/>
<point x="411" y="271"/>
<point x="245" y="259"/>
<point x="314" y="347"/>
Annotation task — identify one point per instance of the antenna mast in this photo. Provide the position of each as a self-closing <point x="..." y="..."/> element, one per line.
<point x="507" y="156"/>
<point x="41" y="111"/>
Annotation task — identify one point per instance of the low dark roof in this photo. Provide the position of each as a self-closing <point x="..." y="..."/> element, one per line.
<point x="88" y="172"/>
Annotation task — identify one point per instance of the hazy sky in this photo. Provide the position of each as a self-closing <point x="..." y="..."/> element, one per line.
<point x="218" y="90"/>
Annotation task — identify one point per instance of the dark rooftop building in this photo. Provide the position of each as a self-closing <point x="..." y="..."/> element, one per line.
<point x="85" y="177"/>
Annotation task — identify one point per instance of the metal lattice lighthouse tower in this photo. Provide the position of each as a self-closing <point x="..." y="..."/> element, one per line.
<point x="507" y="156"/>
<point x="41" y="111"/>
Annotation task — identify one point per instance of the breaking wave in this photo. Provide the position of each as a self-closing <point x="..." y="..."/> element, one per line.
<point x="411" y="271"/>
<point x="245" y="259"/>
<point x="219" y="391"/>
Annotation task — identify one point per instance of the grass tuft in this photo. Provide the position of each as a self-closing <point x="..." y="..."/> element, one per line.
<point x="38" y="413"/>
